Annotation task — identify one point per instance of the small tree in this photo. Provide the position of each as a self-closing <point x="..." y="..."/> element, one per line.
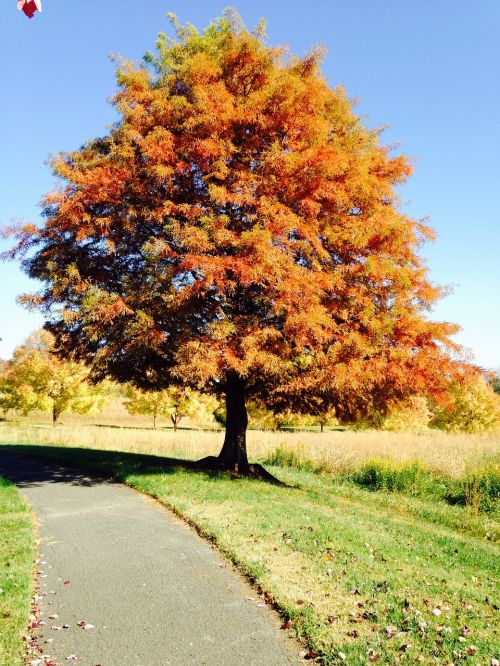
<point x="474" y="407"/>
<point x="238" y="231"/>
<point x="261" y="417"/>
<point x="495" y="383"/>
<point x="174" y="402"/>
<point x="326" y="418"/>
<point x="412" y="414"/>
<point x="37" y="379"/>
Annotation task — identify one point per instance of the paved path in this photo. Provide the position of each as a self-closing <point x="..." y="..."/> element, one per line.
<point x="156" y="593"/>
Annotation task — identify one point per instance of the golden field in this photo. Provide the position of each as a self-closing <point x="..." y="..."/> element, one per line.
<point x="332" y="451"/>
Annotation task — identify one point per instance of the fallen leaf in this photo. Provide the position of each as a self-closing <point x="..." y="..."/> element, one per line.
<point x="286" y="625"/>
<point x="390" y="631"/>
<point x="311" y="655"/>
<point x="85" y="625"/>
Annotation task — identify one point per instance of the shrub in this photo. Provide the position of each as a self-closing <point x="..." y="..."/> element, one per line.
<point x="282" y="457"/>
<point x="385" y="474"/>
<point x="482" y="487"/>
<point x="478" y="489"/>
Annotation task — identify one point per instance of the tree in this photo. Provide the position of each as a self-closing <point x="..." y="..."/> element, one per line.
<point x="36" y="379"/>
<point x="174" y="402"/>
<point x="495" y="382"/>
<point x="474" y="407"/>
<point x="411" y="414"/>
<point x="237" y="231"/>
<point x="261" y="418"/>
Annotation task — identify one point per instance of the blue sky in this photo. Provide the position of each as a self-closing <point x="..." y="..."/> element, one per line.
<point x="427" y="70"/>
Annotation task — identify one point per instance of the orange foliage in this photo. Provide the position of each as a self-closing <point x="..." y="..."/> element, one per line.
<point x="241" y="221"/>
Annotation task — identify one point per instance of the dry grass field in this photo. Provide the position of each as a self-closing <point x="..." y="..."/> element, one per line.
<point x="337" y="452"/>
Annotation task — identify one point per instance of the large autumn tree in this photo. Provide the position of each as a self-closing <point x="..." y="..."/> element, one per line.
<point x="237" y="231"/>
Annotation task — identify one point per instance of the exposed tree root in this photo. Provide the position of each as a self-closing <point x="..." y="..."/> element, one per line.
<point x="253" y="471"/>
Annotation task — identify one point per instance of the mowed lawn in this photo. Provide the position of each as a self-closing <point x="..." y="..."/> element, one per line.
<point x="361" y="576"/>
<point x="16" y="573"/>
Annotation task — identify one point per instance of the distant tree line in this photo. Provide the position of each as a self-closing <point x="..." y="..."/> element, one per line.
<point x="36" y="379"/>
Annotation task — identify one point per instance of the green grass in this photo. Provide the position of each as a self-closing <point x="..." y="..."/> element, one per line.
<point x="362" y="576"/>
<point x="16" y="573"/>
<point x="478" y="488"/>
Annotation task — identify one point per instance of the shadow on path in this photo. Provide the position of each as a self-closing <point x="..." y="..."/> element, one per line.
<point x="31" y="472"/>
<point x="28" y="465"/>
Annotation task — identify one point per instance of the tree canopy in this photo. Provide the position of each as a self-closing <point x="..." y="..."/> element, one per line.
<point x="238" y="231"/>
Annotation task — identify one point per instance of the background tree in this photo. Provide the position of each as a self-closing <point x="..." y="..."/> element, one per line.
<point x="411" y="414"/>
<point x="259" y="417"/>
<point x="35" y="379"/>
<point x="495" y="382"/>
<point x="474" y="407"/>
<point x="174" y="403"/>
<point x="238" y="231"/>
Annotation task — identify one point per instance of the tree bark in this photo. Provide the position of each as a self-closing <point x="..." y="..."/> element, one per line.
<point x="233" y="454"/>
<point x="175" y="421"/>
<point x="55" y="415"/>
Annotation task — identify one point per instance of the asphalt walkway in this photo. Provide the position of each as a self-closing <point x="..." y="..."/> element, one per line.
<point x="125" y="583"/>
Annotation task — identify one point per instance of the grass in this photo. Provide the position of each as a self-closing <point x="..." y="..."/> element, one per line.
<point x="459" y="469"/>
<point x="16" y="573"/>
<point x="333" y="452"/>
<point x="360" y="576"/>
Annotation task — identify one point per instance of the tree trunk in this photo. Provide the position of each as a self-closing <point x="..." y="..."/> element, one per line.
<point x="321" y="426"/>
<point x="154" y="421"/>
<point x="175" y="421"/>
<point x="55" y="415"/>
<point x="233" y="454"/>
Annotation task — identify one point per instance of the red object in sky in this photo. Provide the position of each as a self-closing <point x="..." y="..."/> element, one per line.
<point x="29" y="7"/>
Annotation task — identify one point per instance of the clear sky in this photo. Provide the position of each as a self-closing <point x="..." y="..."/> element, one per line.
<point x="428" y="70"/>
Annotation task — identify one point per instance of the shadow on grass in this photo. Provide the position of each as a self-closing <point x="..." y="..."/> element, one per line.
<point x="27" y="465"/>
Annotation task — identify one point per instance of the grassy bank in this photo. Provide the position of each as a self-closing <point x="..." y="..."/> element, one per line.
<point x="361" y="576"/>
<point x="16" y="573"/>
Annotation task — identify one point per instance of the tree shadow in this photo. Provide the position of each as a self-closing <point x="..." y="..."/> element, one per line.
<point x="29" y="465"/>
